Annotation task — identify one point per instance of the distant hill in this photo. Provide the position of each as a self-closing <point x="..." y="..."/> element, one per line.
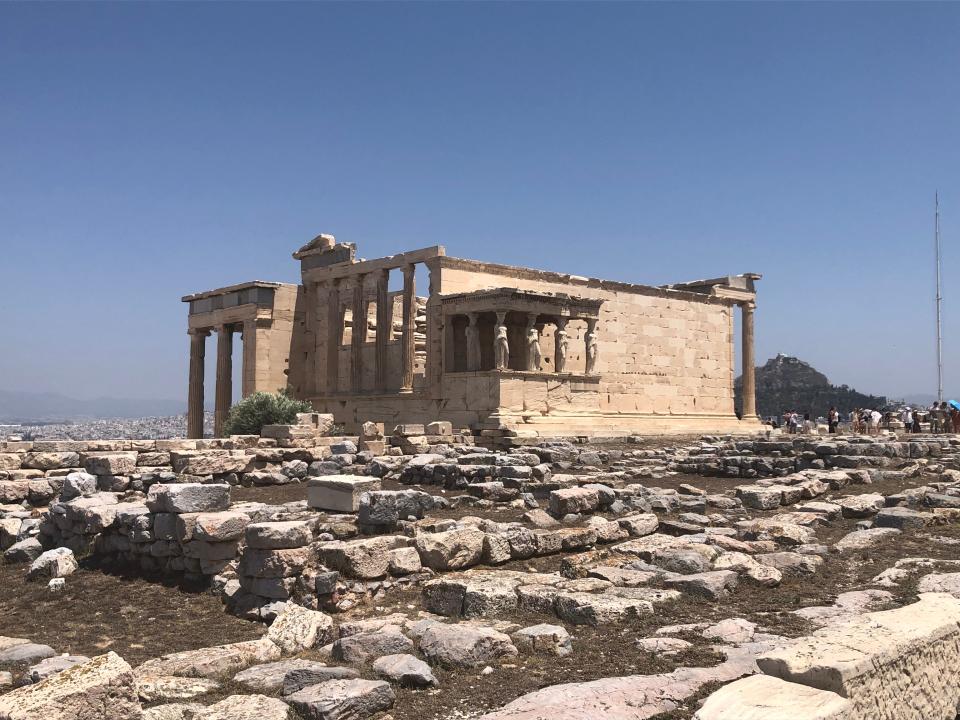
<point x="787" y="383"/>
<point x="28" y="407"/>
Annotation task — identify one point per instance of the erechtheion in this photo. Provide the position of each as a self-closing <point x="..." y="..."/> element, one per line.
<point x="490" y="347"/>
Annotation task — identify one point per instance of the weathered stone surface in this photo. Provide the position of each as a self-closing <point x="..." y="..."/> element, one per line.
<point x="404" y="669"/>
<point x="573" y="500"/>
<point x="296" y="628"/>
<point x="633" y="697"/>
<point x="861" y="506"/>
<point x="759" y="497"/>
<point x="273" y="563"/>
<point x="102" y="688"/>
<point x="901" y="518"/>
<point x="171" y="688"/>
<point x="354" y="699"/>
<point x="543" y="639"/>
<point x="761" y="697"/>
<point x="339" y="493"/>
<point x="53" y="665"/>
<point x="212" y="661"/>
<point x="862" y="539"/>
<point x="27" y="550"/>
<point x="269" y="677"/>
<point x="188" y="498"/>
<point x="714" y="585"/>
<point x="27" y="652"/>
<point x="110" y="463"/>
<point x="246" y="707"/>
<point x="465" y="646"/>
<point x="639" y="525"/>
<point x="173" y="711"/>
<point x="365" y="646"/>
<point x="366" y="559"/>
<point x="450" y="550"/>
<point x="221" y="526"/>
<point x="278" y="535"/>
<point x="55" y="563"/>
<point x="901" y="664"/>
<point x="302" y="677"/>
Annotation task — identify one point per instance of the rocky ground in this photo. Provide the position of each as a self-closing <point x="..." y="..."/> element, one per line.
<point x="560" y="581"/>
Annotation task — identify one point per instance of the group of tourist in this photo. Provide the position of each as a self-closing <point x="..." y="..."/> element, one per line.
<point x="942" y="418"/>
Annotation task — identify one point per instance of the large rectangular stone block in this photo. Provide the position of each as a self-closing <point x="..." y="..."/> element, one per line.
<point x="901" y="664"/>
<point x="339" y="493"/>
<point x="188" y="498"/>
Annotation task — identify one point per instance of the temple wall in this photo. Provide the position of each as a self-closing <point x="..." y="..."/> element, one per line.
<point x="658" y="354"/>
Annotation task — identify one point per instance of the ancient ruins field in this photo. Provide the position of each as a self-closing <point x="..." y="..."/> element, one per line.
<point x="420" y="576"/>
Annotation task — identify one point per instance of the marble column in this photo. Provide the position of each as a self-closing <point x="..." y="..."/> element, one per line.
<point x="407" y="347"/>
<point x="384" y="328"/>
<point x="334" y="336"/>
<point x="749" y="363"/>
<point x="358" y="334"/>
<point x="224" y="396"/>
<point x="473" y="341"/>
<point x="560" y="345"/>
<point x="198" y="342"/>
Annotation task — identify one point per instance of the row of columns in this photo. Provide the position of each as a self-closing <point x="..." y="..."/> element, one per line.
<point x="224" y="378"/>
<point x="329" y="293"/>
<point x="533" y="354"/>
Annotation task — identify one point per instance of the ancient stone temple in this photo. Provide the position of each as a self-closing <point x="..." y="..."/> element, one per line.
<point x="489" y="347"/>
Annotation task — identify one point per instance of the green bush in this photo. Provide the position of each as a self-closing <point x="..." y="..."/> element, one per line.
<point x="249" y="415"/>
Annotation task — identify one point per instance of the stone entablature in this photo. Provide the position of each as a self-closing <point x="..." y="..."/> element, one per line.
<point x="493" y="346"/>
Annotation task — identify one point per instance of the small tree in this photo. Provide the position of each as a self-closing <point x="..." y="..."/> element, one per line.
<point x="249" y="415"/>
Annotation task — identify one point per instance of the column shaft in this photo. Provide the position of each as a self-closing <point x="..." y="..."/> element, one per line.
<point x="409" y="323"/>
<point x="334" y="336"/>
<point x="384" y="327"/>
<point x="358" y="335"/>
<point x="749" y="363"/>
<point x="224" y="378"/>
<point x="198" y="340"/>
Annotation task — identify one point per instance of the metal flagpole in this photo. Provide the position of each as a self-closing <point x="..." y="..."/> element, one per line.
<point x="936" y="233"/>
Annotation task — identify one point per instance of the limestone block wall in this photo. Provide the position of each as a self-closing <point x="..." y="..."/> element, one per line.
<point x="661" y="352"/>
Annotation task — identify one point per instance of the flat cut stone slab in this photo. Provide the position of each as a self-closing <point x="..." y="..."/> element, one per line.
<point x="339" y="493"/>
<point x="761" y="697"/>
<point x="343" y="699"/>
<point x="102" y="688"/>
<point x="901" y="664"/>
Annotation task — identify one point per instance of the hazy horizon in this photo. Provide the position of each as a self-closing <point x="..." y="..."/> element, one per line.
<point x="155" y="150"/>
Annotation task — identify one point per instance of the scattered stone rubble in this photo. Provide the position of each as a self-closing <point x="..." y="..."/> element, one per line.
<point x="426" y="511"/>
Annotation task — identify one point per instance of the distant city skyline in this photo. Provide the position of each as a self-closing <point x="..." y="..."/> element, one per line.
<point x="155" y="150"/>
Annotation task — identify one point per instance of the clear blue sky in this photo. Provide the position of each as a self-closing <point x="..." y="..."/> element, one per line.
<point x="149" y="151"/>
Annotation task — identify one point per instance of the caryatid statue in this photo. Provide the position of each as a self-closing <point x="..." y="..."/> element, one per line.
<point x="501" y="347"/>
<point x="533" y="349"/>
<point x="593" y="349"/>
<point x="561" y="345"/>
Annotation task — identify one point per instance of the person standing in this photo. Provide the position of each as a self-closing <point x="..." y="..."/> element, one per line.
<point x="833" y="420"/>
<point x="907" y="418"/>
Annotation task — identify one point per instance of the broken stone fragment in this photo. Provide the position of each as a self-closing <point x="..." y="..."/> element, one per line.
<point x="352" y="699"/>
<point x="405" y="670"/>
